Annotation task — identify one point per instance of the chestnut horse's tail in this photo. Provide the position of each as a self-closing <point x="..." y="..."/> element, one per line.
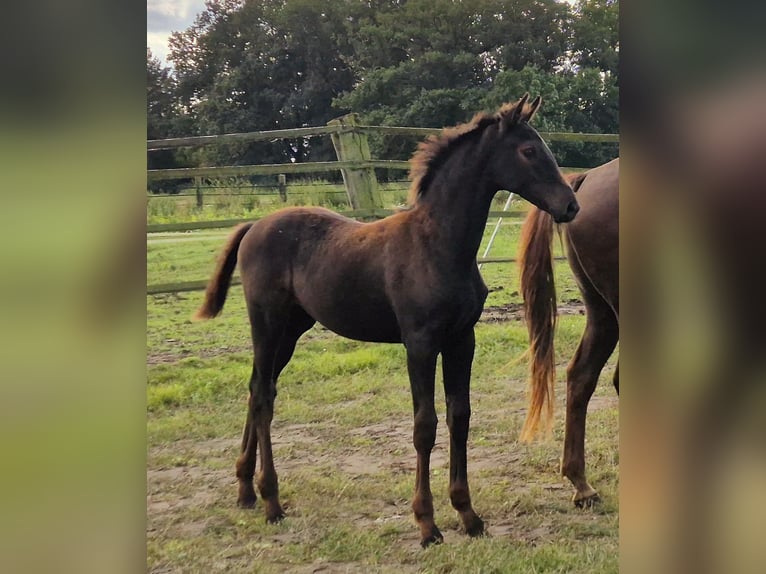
<point x="215" y="294"/>
<point x="539" y="293"/>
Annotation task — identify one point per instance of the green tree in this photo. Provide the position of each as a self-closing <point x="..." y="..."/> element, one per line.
<point x="162" y="119"/>
<point x="246" y="66"/>
<point x="596" y="42"/>
<point x="517" y="33"/>
<point x="582" y="100"/>
<point x="433" y="62"/>
<point x="160" y="99"/>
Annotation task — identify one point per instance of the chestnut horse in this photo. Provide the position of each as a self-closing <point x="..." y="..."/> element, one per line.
<point x="409" y="278"/>
<point x="592" y="250"/>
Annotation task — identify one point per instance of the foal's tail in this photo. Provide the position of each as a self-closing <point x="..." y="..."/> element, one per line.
<point x="539" y="293"/>
<point x="215" y="294"/>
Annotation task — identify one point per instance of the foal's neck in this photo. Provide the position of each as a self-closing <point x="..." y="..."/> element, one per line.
<point x="458" y="200"/>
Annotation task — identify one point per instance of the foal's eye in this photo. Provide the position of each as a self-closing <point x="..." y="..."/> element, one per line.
<point x="529" y="152"/>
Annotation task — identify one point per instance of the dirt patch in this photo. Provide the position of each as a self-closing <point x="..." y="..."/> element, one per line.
<point x="191" y="493"/>
<point x="598" y="403"/>
<point x="174" y="356"/>
<point x="171" y="489"/>
<point x="515" y="311"/>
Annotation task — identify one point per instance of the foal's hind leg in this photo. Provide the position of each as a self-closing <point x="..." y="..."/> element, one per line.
<point x="273" y="347"/>
<point x="456" y="366"/>
<point x="597" y="343"/>
<point x="260" y="404"/>
<point x="246" y="461"/>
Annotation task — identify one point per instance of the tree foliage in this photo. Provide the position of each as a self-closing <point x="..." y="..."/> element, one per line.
<point x="270" y="64"/>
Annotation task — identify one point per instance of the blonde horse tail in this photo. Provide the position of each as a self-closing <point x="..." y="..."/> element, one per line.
<point x="539" y="294"/>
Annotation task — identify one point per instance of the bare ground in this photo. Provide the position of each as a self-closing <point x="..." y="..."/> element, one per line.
<point x="190" y="483"/>
<point x="206" y="480"/>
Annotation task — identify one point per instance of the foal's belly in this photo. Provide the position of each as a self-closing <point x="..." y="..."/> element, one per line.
<point x="372" y="331"/>
<point x="353" y="318"/>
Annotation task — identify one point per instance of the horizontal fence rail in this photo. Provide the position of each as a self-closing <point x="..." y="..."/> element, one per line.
<point x="279" y="168"/>
<point x="349" y="138"/>
<point x="197" y="141"/>
<point x="199" y="285"/>
<point x="273" y="168"/>
<point x="354" y="214"/>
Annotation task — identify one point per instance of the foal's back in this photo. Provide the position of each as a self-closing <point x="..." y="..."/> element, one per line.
<point x="338" y="270"/>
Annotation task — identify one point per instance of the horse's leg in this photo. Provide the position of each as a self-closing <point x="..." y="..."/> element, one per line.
<point x="246" y="461"/>
<point x="299" y="323"/>
<point x="263" y="362"/>
<point x="616" y="378"/>
<point x="421" y="366"/>
<point x="597" y="343"/>
<point x="268" y="332"/>
<point x="456" y="366"/>
<point x="263" y="397"/>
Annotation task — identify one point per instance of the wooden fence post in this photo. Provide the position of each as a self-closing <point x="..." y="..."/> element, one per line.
<point x="361" y="184"/>
<point x="282" y="182"/>
<point x="198" y="183"/>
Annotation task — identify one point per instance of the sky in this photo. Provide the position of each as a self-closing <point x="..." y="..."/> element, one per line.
<point x="166" y="16"/>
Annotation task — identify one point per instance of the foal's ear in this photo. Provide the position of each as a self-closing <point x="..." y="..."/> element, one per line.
<point x="532" y="109"/>
<point x="517" y="111"/>
<point x="510" y="114"/>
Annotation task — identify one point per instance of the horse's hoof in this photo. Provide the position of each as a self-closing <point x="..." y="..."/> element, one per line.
<point x="246" y="501"/>
<point x="276" y="517"/>
<point x="475" y="528"/>
<point x="587" y="501"/>
<point x="246" y="496"/>
<point x="434" y="538"/>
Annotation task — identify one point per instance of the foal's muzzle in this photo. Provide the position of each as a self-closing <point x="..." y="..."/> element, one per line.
<point x="570" y="212"/>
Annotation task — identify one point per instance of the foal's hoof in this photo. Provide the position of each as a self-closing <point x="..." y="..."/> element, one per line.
<point x="276" y="516"/>
<point x="588" y="501"/>
<point x="475" y="527"/>
<point x="246" y="501"/>
<point x="435" y="537"/>
<point x="246" y="493"/>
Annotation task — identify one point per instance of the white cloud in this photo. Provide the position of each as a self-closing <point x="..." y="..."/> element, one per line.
<point x="173" y="8"/>
<point x="157" y="42"/>
<point x="166" y="16"/>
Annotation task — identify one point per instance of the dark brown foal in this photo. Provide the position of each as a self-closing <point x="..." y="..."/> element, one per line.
<point x="410" y="278"/>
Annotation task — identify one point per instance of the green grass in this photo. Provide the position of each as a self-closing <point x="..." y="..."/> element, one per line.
<point x="342" y="436"/>
<point x="243" y="202"/>
<point x="342" y="443"/>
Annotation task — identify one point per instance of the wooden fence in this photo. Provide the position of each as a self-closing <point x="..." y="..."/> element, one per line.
<point x="349" y="138"/>
<point x="357" y="167"/>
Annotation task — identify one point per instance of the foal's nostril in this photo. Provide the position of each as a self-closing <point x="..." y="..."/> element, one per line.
<point x="572" y="208"/>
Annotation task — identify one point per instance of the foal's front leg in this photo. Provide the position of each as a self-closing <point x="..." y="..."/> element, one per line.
<point x="456" y="366"/>
<point x="421" y="365"/>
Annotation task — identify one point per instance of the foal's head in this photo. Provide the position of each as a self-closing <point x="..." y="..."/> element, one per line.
<point x="520" y="162"/>
<point x="512" y="157"/>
